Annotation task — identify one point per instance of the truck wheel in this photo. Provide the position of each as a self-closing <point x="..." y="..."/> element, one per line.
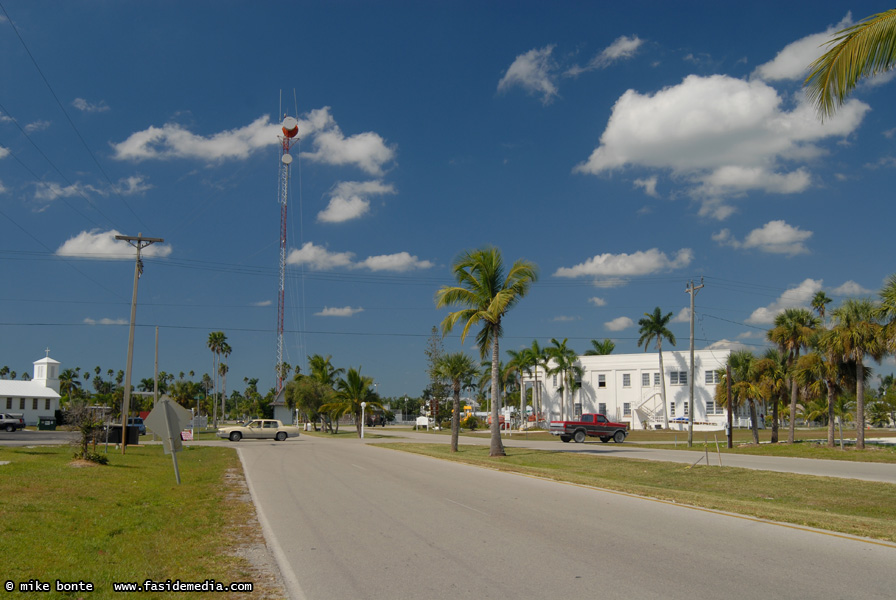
<point x="10" y="428"/>
<point x="619" y="437"/>
<point x="580" y="436"/>
<point x="604" y="439"/>
<point x="565" y="438"/>
<point x="281" y="435"/>
<point x="235" y="436"/>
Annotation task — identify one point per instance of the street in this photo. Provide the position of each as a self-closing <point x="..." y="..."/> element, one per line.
<point x="349" y="520"/>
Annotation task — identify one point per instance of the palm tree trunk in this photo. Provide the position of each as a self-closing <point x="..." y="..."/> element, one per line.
<point x="455" y="418"/>
<point x="830" y="387"/>
<point x="860" y="404"/>
<point x="776" y="400"/>
<point x="754" y="422"/>
<point x="497" y="446"/>
<point x="659" y="348"/>
<point x="794" y="392"/>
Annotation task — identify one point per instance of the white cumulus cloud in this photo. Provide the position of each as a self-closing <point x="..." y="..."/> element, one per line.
<point x="106" y="321"/>
<point x="345" y="311"/>
<point x="535" y="72"/>
<point x="102" y="244"/>
<point x="349" y="200"/>
<point x="400" y="261"/>
<point x="637" y="263"/>
<point x="619" y="323"/>
<point x="622" y="47"/>
<point x="775" y="237"/>
<point x="597" y="301"/>
<point x="796" y="297"/>
<point x="91" y="107"/>
<point x="723" y="136"/>
<point x="851" y="289"/>
<point x="791" y="63"/>
<point x="319" y="258"/>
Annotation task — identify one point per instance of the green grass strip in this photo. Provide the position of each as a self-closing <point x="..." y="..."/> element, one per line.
<point x="127" y="521"/>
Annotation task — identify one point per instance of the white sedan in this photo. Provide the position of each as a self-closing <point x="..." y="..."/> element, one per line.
<point x="271" y="429"/>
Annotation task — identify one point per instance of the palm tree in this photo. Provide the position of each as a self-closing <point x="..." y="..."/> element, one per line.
<point x="351" y="391"/>
<point x="743" y="388"/>
<point x="216" y="339"/>
<point x="862" y="50"/>
<point x="857" y="332"/>
<point x="321" y="369"/>
<point x="820" y="371"/>
<point x="69" y="384"/>
<point x="887" y="311"/>
<point x="487" y="293"/>
<point x="222" y="371"/>
<point x="457" y="368"/>
<point x="601" y="348"/>
<point x="4" y="371"/>
<point x="653" y="327"/>
<point x="793" y="330"/>
<point x="772" y="379"/>
<point x="819" y="303"/>
<point x="565" y="359"/>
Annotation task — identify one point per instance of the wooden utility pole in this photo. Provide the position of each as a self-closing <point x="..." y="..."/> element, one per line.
<point x="692" y="290"/>
<point x="139" y="242"/>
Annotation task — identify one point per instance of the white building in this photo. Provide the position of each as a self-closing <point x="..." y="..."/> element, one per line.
<point x="626" y="388"/>
<point x="36" y="398"/>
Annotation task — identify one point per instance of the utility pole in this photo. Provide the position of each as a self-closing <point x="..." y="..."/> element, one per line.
<point x="139" y="242"/>
<point x="692" y="290"/>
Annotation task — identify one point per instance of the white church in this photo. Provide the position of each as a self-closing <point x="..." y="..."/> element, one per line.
<point x="36" y="398"/>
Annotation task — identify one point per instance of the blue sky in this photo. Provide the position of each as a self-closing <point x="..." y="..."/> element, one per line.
<point x="625" y="148"/>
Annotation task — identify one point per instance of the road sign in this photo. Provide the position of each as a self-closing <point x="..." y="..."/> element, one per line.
<point x="167" y="419"/>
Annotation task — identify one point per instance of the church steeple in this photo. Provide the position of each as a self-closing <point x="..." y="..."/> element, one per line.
<point x="46" y="372"/>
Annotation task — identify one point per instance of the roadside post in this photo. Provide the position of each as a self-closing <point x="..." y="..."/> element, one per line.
<point x="165" y="419"/>
<point x="363" y="419"/>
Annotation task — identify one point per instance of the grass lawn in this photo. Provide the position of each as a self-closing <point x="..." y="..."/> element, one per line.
<point x="848" y="506"/>
<point x="129" y="521"/>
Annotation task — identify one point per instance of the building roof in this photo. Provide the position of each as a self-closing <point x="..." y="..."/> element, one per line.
<point x="13" y="388"/>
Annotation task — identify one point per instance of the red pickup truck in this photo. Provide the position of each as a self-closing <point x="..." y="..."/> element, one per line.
<point x="590" y="425"/>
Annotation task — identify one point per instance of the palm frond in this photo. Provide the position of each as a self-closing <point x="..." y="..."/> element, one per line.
<point x="862" y="50"/>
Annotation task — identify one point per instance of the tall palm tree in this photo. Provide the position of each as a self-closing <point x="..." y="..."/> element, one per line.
<point x="487" y="293"/>
<point x="772" y="378"/>
<point x="821" y="371"/>
<point x="457" y="368"/>
<point x="351" y="391"/>
<point x="601" y="348"/>
<point x="653" y="327"/>
<point x="793" y="330"/>
<point x="857" y="332"/>
<point x="215" y="340"/>
<point x="743" y="387"/>
<point x="222" y="371"/>
<point x="887" y="311"/>
<point x="69" y="384"/>
<point x="321" y="369"/>
<point x="862" y="50"/>
<point x="819" y="304"/>
<point x="565" y="359"/>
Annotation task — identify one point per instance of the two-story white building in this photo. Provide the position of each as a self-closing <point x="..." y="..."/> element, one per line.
<point x="36" y="398"/>
<point x="626" y="388"/>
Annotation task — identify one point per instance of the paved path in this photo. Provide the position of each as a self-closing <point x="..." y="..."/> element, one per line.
<point x="349" y="520"/>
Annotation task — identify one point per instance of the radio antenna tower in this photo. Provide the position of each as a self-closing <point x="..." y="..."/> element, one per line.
<point x="290" y="128"/>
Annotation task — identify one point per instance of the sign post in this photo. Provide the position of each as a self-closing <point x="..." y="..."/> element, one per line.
<point x="166" y="419"/>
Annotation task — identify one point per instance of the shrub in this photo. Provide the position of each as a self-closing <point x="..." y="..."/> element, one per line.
<point x="471" y="422"/>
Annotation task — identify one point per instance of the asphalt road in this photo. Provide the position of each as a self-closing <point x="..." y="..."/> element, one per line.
<point x="349" y="520"/>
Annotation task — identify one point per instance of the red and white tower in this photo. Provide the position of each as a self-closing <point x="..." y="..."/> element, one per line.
<point x="290" y="128"/>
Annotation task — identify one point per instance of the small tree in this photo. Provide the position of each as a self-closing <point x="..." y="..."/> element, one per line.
<point x="89" y="426"/>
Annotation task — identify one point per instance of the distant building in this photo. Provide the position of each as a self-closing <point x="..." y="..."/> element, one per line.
<point x="36" y="398"/>
<point x="626" y="388"/>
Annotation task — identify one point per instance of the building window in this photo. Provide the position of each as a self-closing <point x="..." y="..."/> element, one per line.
<point x="34" y="404"/>
<point x="8" y="403"/>
<point x="47" y="407"/>
<point x="710" y="407"/>
<point x="602" y="408"/>
<point x="713" y="377"/>
<point x="672" y="409"/>
<point x="645" y="379"/>
<point x="686" y="409"/>
<point x="678" y="378"/>
<point x="601" y="381"/>
<point x="626" y="380"/>
<point x="21" y="404"/>
<point x="656" y="379"/>
<point x="555" y="381"/>
<point x="627" y="409"/>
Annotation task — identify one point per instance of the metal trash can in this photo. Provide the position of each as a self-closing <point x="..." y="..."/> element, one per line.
<point x="46" y="423"/>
